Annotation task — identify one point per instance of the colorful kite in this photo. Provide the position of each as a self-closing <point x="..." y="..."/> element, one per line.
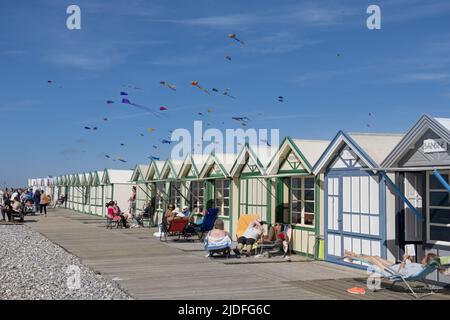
<point x="169" y="85"/>
<point x="233" y="36"/>
<point x="163" y="108"/>
<point x="151" y="129"/>
<point x="195" y="84"/>
<point x="226" y="92"/>
<point x="127" y="101"/>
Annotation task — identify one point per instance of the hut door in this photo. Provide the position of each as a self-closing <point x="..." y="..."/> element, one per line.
<point x="414" y="192"/>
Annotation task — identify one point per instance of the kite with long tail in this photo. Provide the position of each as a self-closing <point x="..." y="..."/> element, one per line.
<point x="196" y="84"/>
<point x="127" y="101"/>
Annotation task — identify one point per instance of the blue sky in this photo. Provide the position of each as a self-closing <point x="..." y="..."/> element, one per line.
<point x="331" y="70"/>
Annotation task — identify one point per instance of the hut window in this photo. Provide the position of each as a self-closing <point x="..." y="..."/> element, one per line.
<point x="175" y="196"/>
<point x="222" y="196"/>
<point x="159" y="196"/>
<point x="439" y="209"/>
<point x="197" y="194"/>
<point x="302" y="200"/>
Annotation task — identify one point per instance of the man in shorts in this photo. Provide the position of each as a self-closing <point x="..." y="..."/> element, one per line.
<point x="250" y="236"/>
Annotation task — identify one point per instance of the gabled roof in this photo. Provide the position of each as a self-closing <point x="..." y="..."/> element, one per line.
<point x="85" y="179"/>
<point x="441" y="126"/>
<point x="111" y="176"/>
<point x="170" y="166"/>
<point x="194" y="162"/>
<point x="224" y="161"/>
<point x="154" y="170"/>
<point x="261" y="156"/>
<point x="73" y="179"/>
<point x="371" y="148"/>
<point x="307" y="151"/>
<point x="139" y="172"/>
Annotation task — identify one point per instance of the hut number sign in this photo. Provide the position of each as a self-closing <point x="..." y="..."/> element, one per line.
<point x="434" y="145"/>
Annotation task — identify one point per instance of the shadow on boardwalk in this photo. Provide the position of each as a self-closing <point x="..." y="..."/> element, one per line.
<point x="150" y="269"/>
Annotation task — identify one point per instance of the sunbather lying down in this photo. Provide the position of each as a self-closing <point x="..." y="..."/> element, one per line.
<point x="406" y="268"/>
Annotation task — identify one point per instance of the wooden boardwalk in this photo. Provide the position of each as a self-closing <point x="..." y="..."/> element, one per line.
<point x="149" y="269"/>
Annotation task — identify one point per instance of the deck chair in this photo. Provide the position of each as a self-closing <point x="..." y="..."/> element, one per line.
<point x="115" y="221"/>
<point x="269" y="248"/>
<point x="207" y="225"/>
<point x="393" y="276"/>
<point x="242" y="225"/>
<point x="176" y="228"/>
<point x="222" y="247"/>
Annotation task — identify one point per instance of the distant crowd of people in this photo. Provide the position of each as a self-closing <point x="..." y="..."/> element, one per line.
<point x="20" y="202"/>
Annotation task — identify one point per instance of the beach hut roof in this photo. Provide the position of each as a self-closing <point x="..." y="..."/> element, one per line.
<point x="112" y="176"/>
<point x="439" y="126"/>
<point x="192" y="165"/>
<point x="372" y="148"/>
<point x="306" y="151"/>
<point x="140" y="172"/>
<point x="154" y="170"/>
<point x="258" y="155"/>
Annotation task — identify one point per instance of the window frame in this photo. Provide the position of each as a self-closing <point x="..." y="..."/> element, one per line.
<point x="302" y="200"/>
<point x="222" y="188"/>
<point x="429" y="224"/>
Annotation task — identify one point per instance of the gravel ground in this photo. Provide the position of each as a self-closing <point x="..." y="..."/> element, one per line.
<point x="32" y="267"/>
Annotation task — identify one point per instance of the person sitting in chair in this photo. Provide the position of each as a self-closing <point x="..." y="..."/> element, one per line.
<point x="253" y="232"/>
<point x="406" y="268"/>
<point x="218" y="238"/>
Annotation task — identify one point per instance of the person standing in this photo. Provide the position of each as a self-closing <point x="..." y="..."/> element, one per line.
<point x="37" y="200"/>
<point x="44" y="203"/>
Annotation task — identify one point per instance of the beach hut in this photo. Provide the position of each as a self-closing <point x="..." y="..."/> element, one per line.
<point x="73" y="191"/>
<point x="97" y="206"/>
<point x="421" y="164"/>
<point x="138" y="177"/>
<point x="86" y="193"/>
<point x="252" y="190"/>
<point x="357" y="198"/>
<point x="195" y="191"/>
<point x="297" y="191"/>
<point x="117" y="187"/>
<point x="157" y="188"/>
<point x="215" y="174"/>
<point x="173" y="186"/>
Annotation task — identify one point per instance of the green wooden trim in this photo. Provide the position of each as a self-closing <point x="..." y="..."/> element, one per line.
<point x="250" y="174"/>
<point x="295" y="172"/>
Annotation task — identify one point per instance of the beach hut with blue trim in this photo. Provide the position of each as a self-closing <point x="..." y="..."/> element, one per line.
<point x="421" y="165"/>
<point x="358" y="200"/>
